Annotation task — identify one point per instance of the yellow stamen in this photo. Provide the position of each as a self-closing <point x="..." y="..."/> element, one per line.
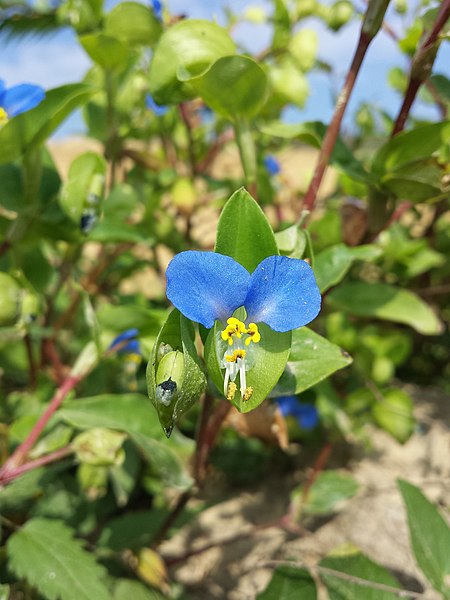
<point x="234" y="327"/>
<point x="247" y="394"/>
<point x="3" y="116"/>
<point x="236" y="354"/>
<point x="253" y="334"/>
<point x="231" y="391"/>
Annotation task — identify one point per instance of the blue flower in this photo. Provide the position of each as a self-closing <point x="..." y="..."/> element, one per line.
<point x="19" y="99"/>
<point x="157" y="9"/>
<point x="305" y="413"/>
<point x="206" y="286"/>
<point x="131" y="347"/>
<point x="272" y="165"/>
<point x="158" y="109"/>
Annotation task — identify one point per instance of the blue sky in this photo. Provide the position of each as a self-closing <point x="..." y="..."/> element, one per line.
<point x="59" y="59"/>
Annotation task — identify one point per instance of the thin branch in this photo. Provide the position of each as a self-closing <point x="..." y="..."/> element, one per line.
<point x="15" y="472"/>
<point x="191" y="143"/>
<point x="332" y="132"/>
<point x="31" y="361"/>
<point x="318" y="467"/>
<point x="422" y="64"/>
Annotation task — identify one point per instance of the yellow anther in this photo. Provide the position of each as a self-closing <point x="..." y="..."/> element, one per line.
<point x="236" y="354"/>
<point x="247" y="394"/>
<point x="3" y="116"/>
<point x="234" y="327"/>
<point x="232" y="387"/>
<point x="253" y="334"/>
<point x="227" y="334"/>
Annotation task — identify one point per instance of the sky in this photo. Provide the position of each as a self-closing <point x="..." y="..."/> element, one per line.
<point x="59" y="59"/>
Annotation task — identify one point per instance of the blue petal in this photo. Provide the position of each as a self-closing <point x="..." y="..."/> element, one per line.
<point x="132" y="347"/>
<point x="128" y="334"/>
<point x="287" y="404"/>
<point x="206" y="286"/>
<point x="272" y="165"/>
<point x="157" y="9"/>
<point x="2" y="89"/>
<point x="307" y="415"/>
<point x="283" y="294"/>
<point x="21" y="98"/>
<point x="158" y="109"/>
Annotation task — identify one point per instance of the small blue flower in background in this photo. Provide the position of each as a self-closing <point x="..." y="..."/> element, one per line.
<point x="18" y="99"/>
<point x="131" y="347"/>
<point x="157" y="9"/>
<point x="158" y="109"/>
<point x="272" y="165"/>
<point x="303" y="412"/>
<point x="206" y="286"/>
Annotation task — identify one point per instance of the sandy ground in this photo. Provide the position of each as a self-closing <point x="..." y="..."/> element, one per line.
<point x="374" y="521"/>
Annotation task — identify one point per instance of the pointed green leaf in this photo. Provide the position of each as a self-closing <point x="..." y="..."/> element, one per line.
<point x="45" y="553"/>
<point x="76" y="190"/>
<point x="30" y="129"/>
<point x="290" y="583"/>
<point x="244" y="233"/>
<point x="356" y="566"/>
<point x="430" y="537"/>
<point x="105" y="50"/>
<point x="130" y="588"/>
<point x="394" y="413"/>
<point x="312" y="359"/>
<point x="190" y="46"/>
<point x="327" y="494"/>
<point x="332" y="264"/>
<point x="384" y="301"/>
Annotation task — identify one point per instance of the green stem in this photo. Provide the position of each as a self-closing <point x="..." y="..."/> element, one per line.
<point x="247" y="151"/>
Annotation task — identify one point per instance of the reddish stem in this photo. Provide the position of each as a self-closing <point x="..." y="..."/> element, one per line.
<point x="318" y="467"/>
<point x="332" y="132"/>
<point x="19" y="455"/>
<point x="15" y="472"/>
<point x="416" y="81"/>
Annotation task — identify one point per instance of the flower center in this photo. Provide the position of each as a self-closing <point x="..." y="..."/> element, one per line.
<point x="236" y="360"/>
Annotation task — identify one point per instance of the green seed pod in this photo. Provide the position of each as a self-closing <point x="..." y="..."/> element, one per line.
<point x="169" y="377"/>
<point x="10" y="300"/>
<point x="401" y="6"/>
<point x="100" y="447"/>
<point x="255" y="14"/>
<point x="303" y="46"/>
<point x="340" y="13"/>
<point x="305" y="8"/>
<point x="31" y="307"/>
<point x="289" y="84"/>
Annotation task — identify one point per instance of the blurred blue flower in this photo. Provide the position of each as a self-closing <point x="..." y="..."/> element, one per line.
<point x="131" y="347"/>
<point x="158" y="109"/>
<point x="157" y="9"/>
<point x="19" y="98"/>
<point x="305" y="413"/>
<point x="272" y="165"/>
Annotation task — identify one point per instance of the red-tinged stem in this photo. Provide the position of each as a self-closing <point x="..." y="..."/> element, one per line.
<point x="332" y="132"/>
<point x="318" y="467"/>
<point x="425" y="59"/>
<point x="20" y="454"/>
<point x="15" y="472"/>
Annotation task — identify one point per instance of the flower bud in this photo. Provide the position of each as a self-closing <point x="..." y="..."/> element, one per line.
<point x="183" y="195"/>
<point x="340" y="13"/>
<point x="100" y="447"/>
<point x="303" y="46"/>
<point x="255" y="14"/>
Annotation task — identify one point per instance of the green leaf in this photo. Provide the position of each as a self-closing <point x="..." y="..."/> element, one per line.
<point x="129" y="588"/>
<point x="244" y="233"/>
<point x="312" y="359"/>
<point x="442" y="84"/>
<point x="238" y="73"/>
<point x="327" y="494"/>
<point x="105" y="50"/>
<point x="109" y="231"/>
<point x="4" y="592"/>
<point x="45" y="553"/>
<point x="384" y="301"/>
<point x="430" y="537"/>
<point x="75" y="191"/>
<point x="133" y="23"/>
<point x="190" y="46"/>
<point x="131" y="413"/>
<point x="282" y="26"/>
<point x="292" y="241"/>
<point x="411" y="146"/>
<point x="357" y="566"/>
<point x="30" y="129"/>
<point x="290" y="583"/>
<point x="130" y="316"/>
<point x="132" y="530"/>
<point x="12" y="196"/>
<point x="332" y="264"/>
<point x="418" y="181"/>
<point x="312" y="133"/>
<point x="176" y="392"/>
<point x="394" y="413"/>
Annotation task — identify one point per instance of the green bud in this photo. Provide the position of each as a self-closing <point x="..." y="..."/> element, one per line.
<point x="10" y="300"/>
<point x="340" y="13"/>
<point x="100" y="447"/>
<point x="184" y="195"/>
<point x="31" y="307"/>
<point x="305" y="8"/>
<point x="93" y="480"/>
<point x="169" y="377"/>
<point x="289" y="84"/>
<point x="373" y="19"/>
<point x="401" y="6"/>
<point x="255" y="14"/>
<point x="303" y="46"/>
